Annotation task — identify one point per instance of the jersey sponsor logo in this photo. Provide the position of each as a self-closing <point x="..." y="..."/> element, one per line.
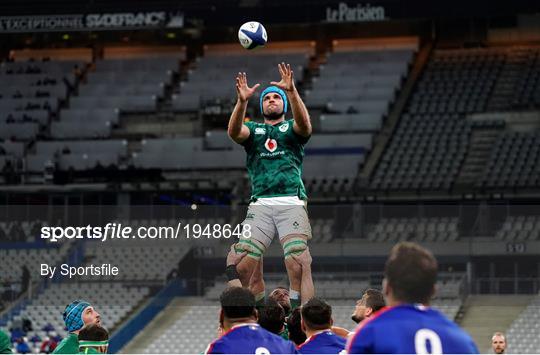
<point x="271" y="155"/>
<point x="284" y="127"/>
<point x="260" y="130"/>
<point x="270" y="145"/>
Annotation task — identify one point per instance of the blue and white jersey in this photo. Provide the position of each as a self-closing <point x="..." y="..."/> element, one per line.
<point x="250" y="338"/>
<point x="409" y="329"/>
<point x="324" y="342"/>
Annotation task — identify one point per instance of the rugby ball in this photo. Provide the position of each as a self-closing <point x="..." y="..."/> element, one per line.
<point x="252" y="35"/>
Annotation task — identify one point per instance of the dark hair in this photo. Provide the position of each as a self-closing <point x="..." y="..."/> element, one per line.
<point x="374" y="299"/>
<point x="317" y="314"/>
<point x="237" y="302"/>
<point x="295" y="328"/>
<point x="272" y="316"/>
<point x="411" y="272"/>
<point x="93" y="332"/>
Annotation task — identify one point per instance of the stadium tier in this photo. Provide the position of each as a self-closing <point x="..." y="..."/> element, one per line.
<point x="44" y="312"/>
<point x="138" y="263"/>
<point x="14" y="260"/>
<point x="523" y="333"/>
<point x="436" y="136"/>
<point x="210" y="80"/>
<point x="519" y="228"/>
<point x="423" y="229"/>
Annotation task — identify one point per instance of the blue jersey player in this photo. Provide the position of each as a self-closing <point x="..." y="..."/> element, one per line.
<point x="408" y="325"/>
<point x="241" y="333"/>
<point x="316" y="323"/>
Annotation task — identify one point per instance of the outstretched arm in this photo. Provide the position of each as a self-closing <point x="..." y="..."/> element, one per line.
<point x="302" y="122"/>
<point x="233" y="258"/>
<point x="237" y="130"/>
<point x="307" y="290"/>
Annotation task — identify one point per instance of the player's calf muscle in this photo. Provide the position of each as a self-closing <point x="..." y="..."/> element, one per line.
<point x="245" y="268"/>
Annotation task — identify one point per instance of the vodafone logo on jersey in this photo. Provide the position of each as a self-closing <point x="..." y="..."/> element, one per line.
<point x="270" y="145"/>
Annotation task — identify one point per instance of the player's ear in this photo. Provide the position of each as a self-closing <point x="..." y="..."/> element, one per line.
<point x="385" y="287"/>
<point x="368" y="312"/>
<point x="221" y="317"/>
<point x="331" y="322"/>
<point x="256" y="314"/>
<point x="302" y="325"/>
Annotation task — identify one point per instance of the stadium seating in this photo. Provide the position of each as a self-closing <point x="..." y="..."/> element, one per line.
<point x="522" y="336"/>
<point x="114" y="302"/>
<point x="514" y="162"/>
<point x="426" y="152"/>
<point x="127" y="84"/>
<point x="211" y="80"/>
<point x="20" y="231"/>
<point x="414" y="229"/>
<point x="190" y="155"/>
<point x="519" y="229"/>
<point x="79" y="155"/>
<point x="142" y="262"/>
<point x="30" y="92"/>
<point x="333" y="155"/>
<point x="197" y="326"/>
<point x="12" y="149"/>
<point x="15" y="259"/>
<point x="357" y="102"/>
<point x="321" y="230"/>
<point x="429" y="146"/>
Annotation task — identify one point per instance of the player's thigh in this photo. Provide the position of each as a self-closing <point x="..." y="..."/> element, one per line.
<point x="291" y="222"/>
<point x="261" y="231"/>
<point x="293" y="227"/>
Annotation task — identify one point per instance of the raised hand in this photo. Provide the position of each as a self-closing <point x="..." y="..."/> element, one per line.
<point x="242" y="89"/>
<point x="303" y="259"/>
<point x="287" y="79"/>
<point x="233" y="258"/>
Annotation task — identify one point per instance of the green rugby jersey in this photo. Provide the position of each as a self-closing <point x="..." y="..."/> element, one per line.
<point x="5" y="343"/>
<point x="69" y="345"/>
<point x="274" y="160"/>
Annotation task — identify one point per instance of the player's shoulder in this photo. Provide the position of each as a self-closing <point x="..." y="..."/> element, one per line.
<point x="381" y="316"/>
<point x="277" y="340"/>
<point x="253" y="124"/>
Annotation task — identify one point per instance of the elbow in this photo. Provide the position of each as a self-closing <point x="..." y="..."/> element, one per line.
<point x="308" y="129"/>
<point x="232" y="133"/>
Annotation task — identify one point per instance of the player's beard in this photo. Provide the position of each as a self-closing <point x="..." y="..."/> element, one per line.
<point x="273" y="116"/>
<point x="356" y="319"/>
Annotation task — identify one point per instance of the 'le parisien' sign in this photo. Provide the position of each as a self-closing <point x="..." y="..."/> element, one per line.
<point x="359" y="13"/>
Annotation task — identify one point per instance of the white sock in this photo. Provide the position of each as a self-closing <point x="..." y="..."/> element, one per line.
<point x="294" y="294"/>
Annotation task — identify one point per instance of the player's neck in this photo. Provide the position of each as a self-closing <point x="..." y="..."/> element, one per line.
<point x="228" y="325"/>
<point x="310" y="333"/>
<point x="274" y="122"/>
